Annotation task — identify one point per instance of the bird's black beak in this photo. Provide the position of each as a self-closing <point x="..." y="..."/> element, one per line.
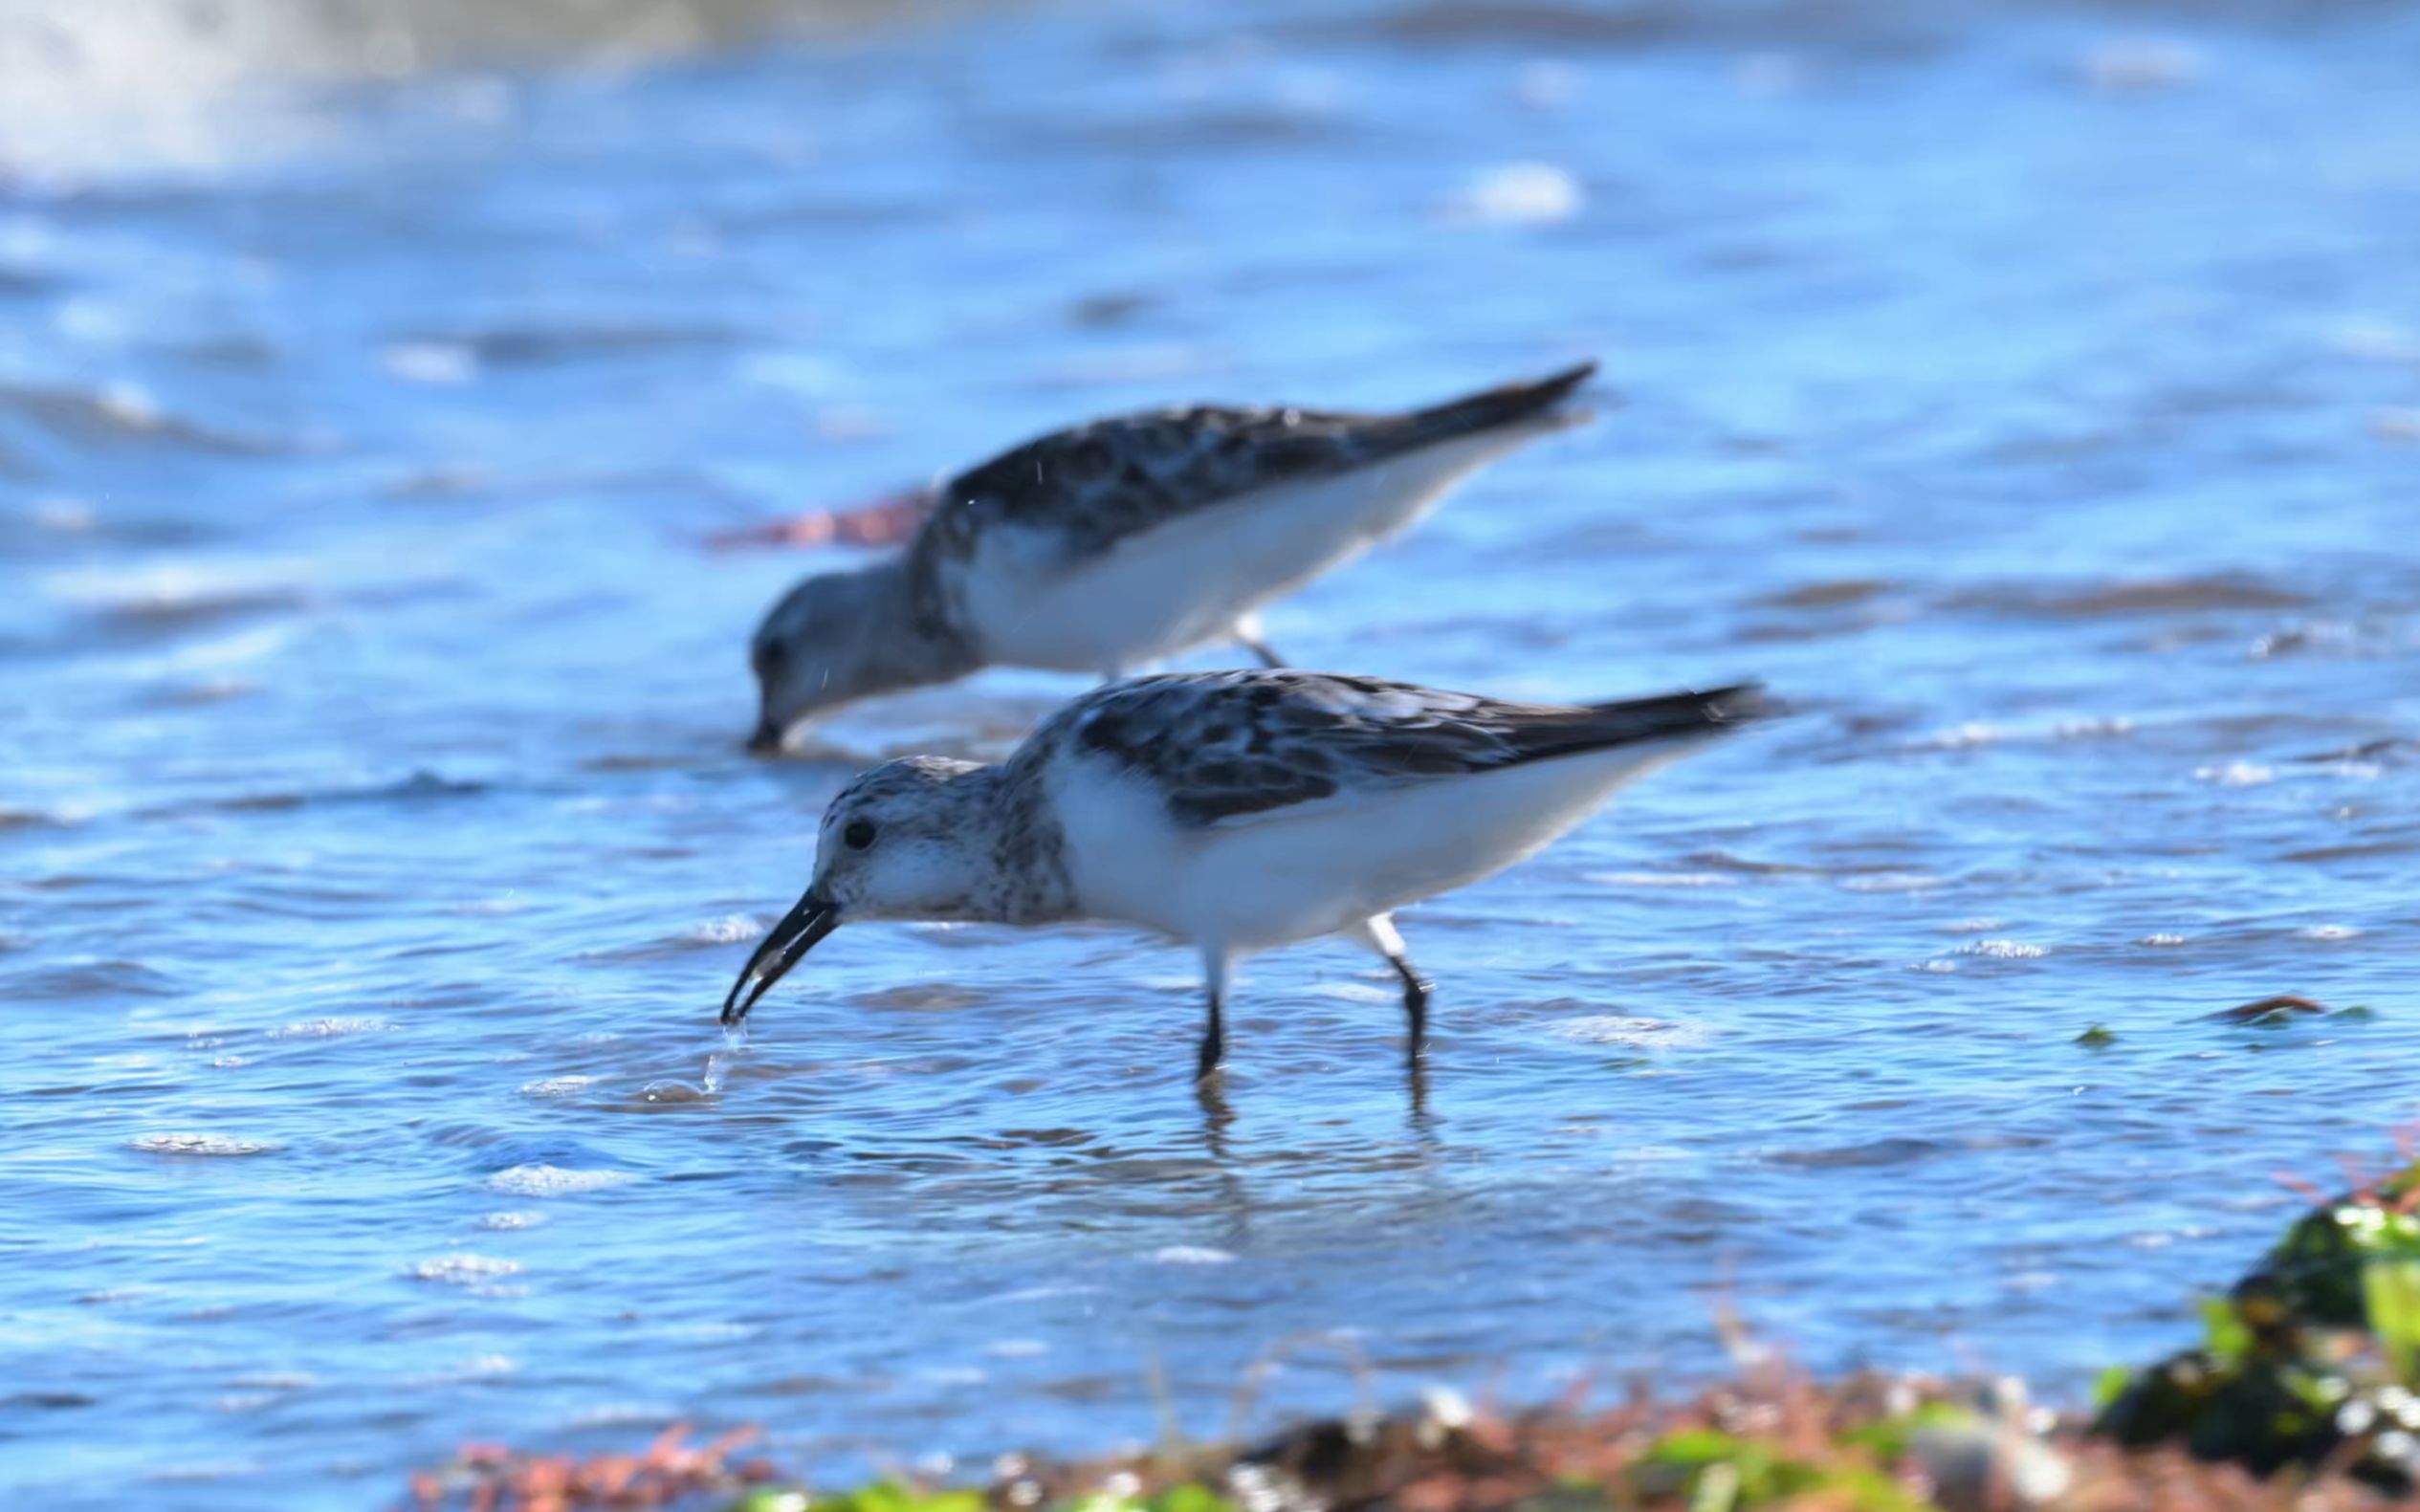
<point x="789" y="942"/>
<point x="767" y="740"/>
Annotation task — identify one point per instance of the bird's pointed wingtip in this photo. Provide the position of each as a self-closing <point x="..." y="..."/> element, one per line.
<point x="1740" y="703"/>
<point x="1535" y="404"/>
<point x="1560" y="385"/>
<point x="1569" y="396"/>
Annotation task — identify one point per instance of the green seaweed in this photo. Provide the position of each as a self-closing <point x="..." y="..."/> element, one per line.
<point x="883" y="1496"/>
<point x="1890" y="1440"/>
<point x="2319" y="1267"/>
<point x="1571" y="1493"/>
<point x="1189" y="1495"/>
<point x="890" y="1496"/>
<point x="2390" y="1293"/>
<point x="2310" y="1356"/>
<point x="1720" y="1471"/>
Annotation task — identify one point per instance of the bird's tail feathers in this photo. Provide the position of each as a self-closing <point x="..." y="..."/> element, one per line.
<point x="1506" y="405"/>
<point x="1638" y="721"/>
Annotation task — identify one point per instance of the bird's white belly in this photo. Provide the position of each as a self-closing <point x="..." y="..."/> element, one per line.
<point x="1189" y="581"/>
<point x="1319" y="867"/>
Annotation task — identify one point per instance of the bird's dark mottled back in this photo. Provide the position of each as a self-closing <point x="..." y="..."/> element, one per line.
<point x="1099" y="483"/>
<point x="1221" y="745"/>
<point x="1093" y="485"/>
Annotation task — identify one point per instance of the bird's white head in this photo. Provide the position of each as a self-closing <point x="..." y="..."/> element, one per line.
<point x="905" y="840"/>
<point x="908" y="840"/>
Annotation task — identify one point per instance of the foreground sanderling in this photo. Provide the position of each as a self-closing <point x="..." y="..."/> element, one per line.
<point x="1129" y="539"/>
<point x="1236" y="811"/>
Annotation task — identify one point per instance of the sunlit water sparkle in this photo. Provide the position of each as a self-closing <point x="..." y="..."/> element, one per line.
<point x="2016" y="392"/>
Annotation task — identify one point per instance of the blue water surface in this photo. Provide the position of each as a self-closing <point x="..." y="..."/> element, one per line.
<point x="2029" y="394"/>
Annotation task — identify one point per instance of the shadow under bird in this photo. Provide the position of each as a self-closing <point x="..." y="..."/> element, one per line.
<point x="1236" y="811"/>
<point x="1118" y="543"/>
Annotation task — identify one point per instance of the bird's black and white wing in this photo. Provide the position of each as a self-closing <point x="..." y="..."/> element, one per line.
<point x="1227" y="747"/>
<point x="1086" y="489"/>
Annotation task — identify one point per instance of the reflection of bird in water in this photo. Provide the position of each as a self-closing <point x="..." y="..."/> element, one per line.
<point x="1236" y="811"/>
<point x="1129" y="539"/>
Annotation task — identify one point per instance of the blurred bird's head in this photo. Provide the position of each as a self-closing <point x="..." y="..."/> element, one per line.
<point x="837" y="638"/>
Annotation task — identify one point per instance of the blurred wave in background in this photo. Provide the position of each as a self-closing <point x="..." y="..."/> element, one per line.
<point x="2030" y="392"/>
<point x="182" y="82"/>
<point x="179" y="83"/>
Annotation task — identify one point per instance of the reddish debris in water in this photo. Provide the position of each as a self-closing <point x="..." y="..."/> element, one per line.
<point x="2284" y="1002"/>
<point x="491" y="1477"/>
<point x="883" y="521"/>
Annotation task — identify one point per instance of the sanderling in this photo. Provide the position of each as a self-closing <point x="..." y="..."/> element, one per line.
<point x="1117" y="544"/>
<point x="1235" y="811"/>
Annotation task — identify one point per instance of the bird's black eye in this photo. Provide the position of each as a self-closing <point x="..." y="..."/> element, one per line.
<point x="859" y="835"/>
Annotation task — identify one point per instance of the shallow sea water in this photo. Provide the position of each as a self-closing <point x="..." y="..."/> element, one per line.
<point x="2029" y="394"/>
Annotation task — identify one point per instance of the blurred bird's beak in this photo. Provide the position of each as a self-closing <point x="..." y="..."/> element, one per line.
<point x="767" y="740"/>
<point x="789" y="942"/>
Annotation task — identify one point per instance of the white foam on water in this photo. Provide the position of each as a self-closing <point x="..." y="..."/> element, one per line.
<point x="730" y="929"/>
<point x="553" y="1181"/>
<point x="1889" y="882"/>
<point x="2004" y="949"/>
<point x="330" y="1028"/>
<point x="188" y="1144"/>
<point x="1640" y="1034"/>
<point x="1519" y="194"/>
<point x="1661" y="879"/>
<point x="464" y="1270"/>
<point x="558" y="1085"/>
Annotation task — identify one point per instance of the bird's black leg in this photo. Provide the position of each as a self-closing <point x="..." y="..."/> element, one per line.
<point x="1378" y="932"/>
<point x="1415" y="1009"/>
<point x="1214" y="1041"/>
<point x="1216" y="964"/>
<point x="1262" y="649"/>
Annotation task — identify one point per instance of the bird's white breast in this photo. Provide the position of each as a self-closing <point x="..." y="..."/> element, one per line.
<point x="1313" y="868"/>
